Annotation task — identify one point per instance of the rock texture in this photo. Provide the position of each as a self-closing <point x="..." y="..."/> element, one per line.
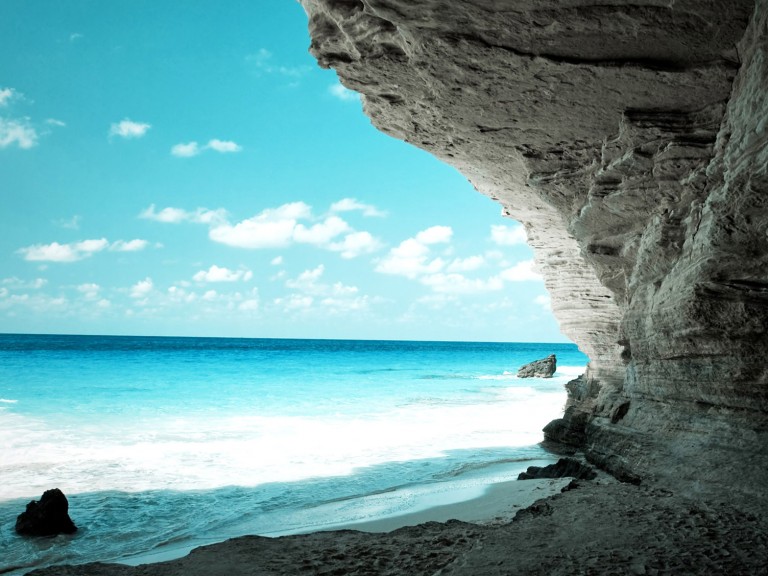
<point x="47" y="517"/>
<point x="543" y="368"/>
<point x="630" y="140"/>
<point x="560" y="469"/>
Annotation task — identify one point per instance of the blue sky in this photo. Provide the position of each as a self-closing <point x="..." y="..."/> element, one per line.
<point x="187" y="169"/>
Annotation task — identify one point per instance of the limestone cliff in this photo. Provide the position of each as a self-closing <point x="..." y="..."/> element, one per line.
<point x="630" y="140"/>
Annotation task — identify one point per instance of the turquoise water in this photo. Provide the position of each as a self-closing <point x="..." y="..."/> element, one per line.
<point x="165" y="440"/>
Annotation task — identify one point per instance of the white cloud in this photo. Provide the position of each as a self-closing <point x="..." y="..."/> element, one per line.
<point x="466" y="264"/>
<point x="279" y="227"/>
<point x="90" y="291"/>
<point x="75" y="37"/>
<point x="223" y="146"/>
<point x="142" y="288"/>
<point x="129" y="129"/>
<point x="350" y="204"/>
<point x="55" y="252"/>
<point x="250" y="305"/>
<point x="71" y="224"/>
<point x="6" y="95"/>
<point x="459" y="284"/>
<point x="412" y="257"/>
<point x="343" y="93"/>
<point x="307" y="280"/>
<point x="134" y="245"/>
<point x="185" y="150"/>
<point x="521" y="272"/>
<point x="276" y="261"/>
<point x="544" y="301"/>
<point x="321" y="233"/>
<point x="172" y="215"/>
<point x="15" y="283"/>
<point x="262" y="62"/>
<point x="221" y="274"/>
<point x="336" y="297"/>
<point x="55" y="122"/>
<point x="508" y="235"/>
<point x="271" y="228"/>
<point x="355" y="244"/>
<point x="189" y="149"/>
<point x="435" y="235"/>
<point x="18" y="132"/>
<point x="294" y="302"/>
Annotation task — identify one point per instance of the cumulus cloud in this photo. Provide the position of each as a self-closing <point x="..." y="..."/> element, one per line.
<point x="276" y="261"/>
<point x="55" y="252"/>
<point x="186" y="150"/>
<point x="262" y="62"/>
<point x="142" y="288"/>
<point x="412" y="257"/>
<point x="435" y="235"/>
<point x="544" y="301"/>
<point x="222" y="274"/>
<point x="90" y="291"/>
<point x="508" y="235"/>
<point x="521" y="272"/>
<point x="271" y="228"/>
<point x="17" y="132"/>
<point x="55" y="122"/>
<point x="15" y="283"/>
<point x="350" y="204"/>
<point x="6" y="95"/>
<point x="466" y="264"/>
<point x="460" y="284"/>
<point x="355" y="244"/>
<point x="343" y="93"/>
<point x="130" y="246"/>
<point x="223" y="146"/>
<point x="321" y="233"/>
<point x="189" y="149"/>
<point x="129" y="129"/>
<point x="310" y="289"/>
<point x="172" y="215"/>
<point x="74" y="251"/>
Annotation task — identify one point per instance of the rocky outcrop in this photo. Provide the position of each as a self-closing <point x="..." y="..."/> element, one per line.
<point x="560" y="469"/>
<point x="543" y="368"/>
<point x="630" y="140"/>
<point x="47" y="517"/>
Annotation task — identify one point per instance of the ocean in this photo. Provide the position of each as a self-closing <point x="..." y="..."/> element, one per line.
<point x="163" y="442"/>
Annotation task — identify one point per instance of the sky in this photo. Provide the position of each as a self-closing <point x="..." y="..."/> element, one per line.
<point x="187" y="169"/>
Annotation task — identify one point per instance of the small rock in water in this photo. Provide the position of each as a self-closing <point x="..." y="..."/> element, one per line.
<point x="543" y="368"/>
<point x="47" y="517"/>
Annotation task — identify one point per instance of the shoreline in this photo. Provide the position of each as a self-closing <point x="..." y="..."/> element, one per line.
<point x="497" y="503"/>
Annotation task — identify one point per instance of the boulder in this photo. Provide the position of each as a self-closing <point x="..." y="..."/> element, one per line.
<point x="47" y="517"/>
<point x="562" y="468"/>
<point x="543" y="368"/>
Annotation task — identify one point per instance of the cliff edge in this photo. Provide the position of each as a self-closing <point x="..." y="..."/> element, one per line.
<point x="629" y="138"/>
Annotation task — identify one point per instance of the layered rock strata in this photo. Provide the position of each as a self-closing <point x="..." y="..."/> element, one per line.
<point x="630" y="140"/>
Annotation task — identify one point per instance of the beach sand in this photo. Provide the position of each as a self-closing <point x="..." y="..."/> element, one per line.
<point x="598" y="527"/>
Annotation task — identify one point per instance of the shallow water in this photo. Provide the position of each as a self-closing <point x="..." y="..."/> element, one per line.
<point x="158" y="440"/>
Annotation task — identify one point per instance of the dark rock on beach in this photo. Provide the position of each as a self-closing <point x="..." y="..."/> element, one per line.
<point x="47" y="517"/>
<point x="562" y="468"/>
<point x="543" y="368"/>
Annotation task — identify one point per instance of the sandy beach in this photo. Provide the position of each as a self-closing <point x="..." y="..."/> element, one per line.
<point x="497" y="504"/>
<point x="597" y="527"/>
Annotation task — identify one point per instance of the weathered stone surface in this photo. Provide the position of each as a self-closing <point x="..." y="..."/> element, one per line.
<point x="630" y="140"/>
<point x="47" y="517"/>
<point x="543" y="368"/>
<point x="560" y="469"/>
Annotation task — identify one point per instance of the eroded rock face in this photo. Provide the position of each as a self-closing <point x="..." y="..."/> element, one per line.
<point x="630" y="140"/>
<point x="544" y="368"/>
